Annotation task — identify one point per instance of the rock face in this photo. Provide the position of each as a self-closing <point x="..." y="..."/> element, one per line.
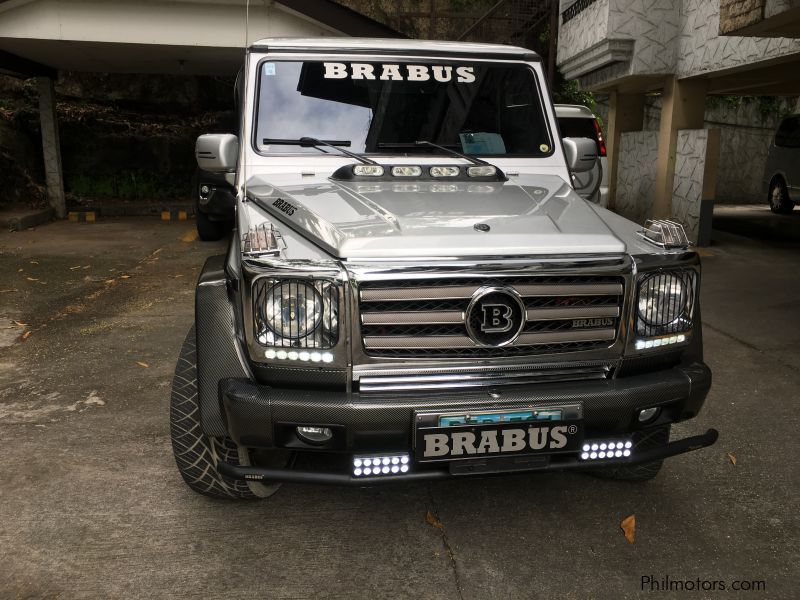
<point x="736" y="14"/>
<point x="128" y="137"/>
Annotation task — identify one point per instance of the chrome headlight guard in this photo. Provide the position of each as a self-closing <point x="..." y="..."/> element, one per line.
<point x="664" y="308"/>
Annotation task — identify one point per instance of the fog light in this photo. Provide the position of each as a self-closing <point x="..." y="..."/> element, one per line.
<point x="314" y="435"/>
<point x="648" y="414"/>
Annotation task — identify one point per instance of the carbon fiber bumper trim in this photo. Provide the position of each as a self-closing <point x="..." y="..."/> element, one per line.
<point x="289" y="476"/>
<point x="383" y="422"/>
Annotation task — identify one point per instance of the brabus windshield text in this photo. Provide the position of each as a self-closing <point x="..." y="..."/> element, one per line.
<point x="392" y="72"/>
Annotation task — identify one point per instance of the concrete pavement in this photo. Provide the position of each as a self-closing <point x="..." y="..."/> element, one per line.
<point x="91" y="505"/>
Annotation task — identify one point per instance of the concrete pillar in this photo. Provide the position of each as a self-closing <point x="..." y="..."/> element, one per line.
<point x="625" y="113"/>
<point x="51" y="147"/>
<point x="683" y="107"/>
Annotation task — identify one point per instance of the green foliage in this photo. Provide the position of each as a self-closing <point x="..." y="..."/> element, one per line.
<point x="568" y="92"/>
<point x="769" y="107"/>
<point x="130" y="185"/>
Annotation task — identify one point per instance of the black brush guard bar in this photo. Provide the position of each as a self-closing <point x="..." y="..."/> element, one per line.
<point x="259" y="474"/>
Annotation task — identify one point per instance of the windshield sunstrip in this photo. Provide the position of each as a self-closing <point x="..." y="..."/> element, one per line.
<point x="374" y="107"/>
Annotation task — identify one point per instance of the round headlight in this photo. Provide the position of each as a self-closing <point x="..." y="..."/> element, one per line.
<point x="662" y="299"/>
<point x="293" y="309"/>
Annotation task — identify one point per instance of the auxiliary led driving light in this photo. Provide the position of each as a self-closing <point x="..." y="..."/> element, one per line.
<point x="408" y="171"/>
<point x="598" y="449"/>
<point x="382" y="464"/>
<point x="368" y="170"/>
<point x="482" y="171"/>
<point x="445" y="171"/>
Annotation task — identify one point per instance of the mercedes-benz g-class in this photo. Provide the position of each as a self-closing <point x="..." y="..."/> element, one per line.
<point x="414" y="290"/>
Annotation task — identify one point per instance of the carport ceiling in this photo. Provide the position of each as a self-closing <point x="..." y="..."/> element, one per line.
<point x="777" y="78"/>
<point x="160" y="36"/>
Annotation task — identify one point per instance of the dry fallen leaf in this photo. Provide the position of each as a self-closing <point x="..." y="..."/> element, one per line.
<point x="75" y="267"/>
<point x="18" y="324"/>
<point x="31" y="279"/>
<point x="732" y="458"/>
<point x="111" y="281"/>
<point x="9" y="290"/>
<point x="124" y="276"/>
<point x="26" y="335"/>
<point x="34" y="262"/>
<point x="628" y="526"/>
<point x="433" y="521"/>
<point x="142" y="364"/>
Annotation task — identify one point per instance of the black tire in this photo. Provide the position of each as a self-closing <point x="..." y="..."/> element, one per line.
<point x="646" y="439"/>
<point x="778" y="197"/>
<point x="196" y="454"/>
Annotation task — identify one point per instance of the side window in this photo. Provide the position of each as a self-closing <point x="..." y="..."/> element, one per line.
<point x="788" y="134"/>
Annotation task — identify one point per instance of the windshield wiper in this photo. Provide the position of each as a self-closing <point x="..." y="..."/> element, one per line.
<point x="417" y="144"/>
<point x="310" y="142"/>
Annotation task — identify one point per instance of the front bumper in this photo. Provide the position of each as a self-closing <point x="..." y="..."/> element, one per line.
<point x="258" y="474"/>
<point x="259" y="416"/>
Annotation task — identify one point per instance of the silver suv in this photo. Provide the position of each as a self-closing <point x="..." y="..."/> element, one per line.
<point x="576" y="121"/>
<point x="782" y="173"/>
<point x="417" y="291"/>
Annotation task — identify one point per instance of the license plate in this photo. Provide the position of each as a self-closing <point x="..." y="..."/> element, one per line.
<point x="507" y="433"/>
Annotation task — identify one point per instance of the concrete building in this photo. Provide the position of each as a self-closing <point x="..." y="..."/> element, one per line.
<point x="682" y="51"/>
<point x="38" y="38"/>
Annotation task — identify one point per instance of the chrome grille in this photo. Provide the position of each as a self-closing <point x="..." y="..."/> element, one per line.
<point x="482" y="377"/>
<point x="426" y="318"/>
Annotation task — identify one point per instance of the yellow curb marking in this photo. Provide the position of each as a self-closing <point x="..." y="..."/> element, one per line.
<point x="189" y="236"/>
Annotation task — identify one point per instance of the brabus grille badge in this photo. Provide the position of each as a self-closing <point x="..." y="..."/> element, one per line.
<point x="587" y="323"/>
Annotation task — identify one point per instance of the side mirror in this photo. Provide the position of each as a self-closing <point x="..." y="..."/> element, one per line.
<point x="581" y="154"/>
<point x="217" y="152"/>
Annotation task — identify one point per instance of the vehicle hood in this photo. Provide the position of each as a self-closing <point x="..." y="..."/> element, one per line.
<point x="530" y="214"/>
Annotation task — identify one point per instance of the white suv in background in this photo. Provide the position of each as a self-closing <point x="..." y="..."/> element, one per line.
<point x="575" y="120"/>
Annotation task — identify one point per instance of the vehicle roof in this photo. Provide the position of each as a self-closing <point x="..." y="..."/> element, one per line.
<point x="573" y="110"/>
<point x="399" y="46"/>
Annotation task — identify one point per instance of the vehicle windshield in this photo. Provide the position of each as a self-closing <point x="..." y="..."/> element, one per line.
<point x="486" y="109"/>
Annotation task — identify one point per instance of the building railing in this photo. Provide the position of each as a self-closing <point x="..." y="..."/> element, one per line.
<point x="573" y="10"/>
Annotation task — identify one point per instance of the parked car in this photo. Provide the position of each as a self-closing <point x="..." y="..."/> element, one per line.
<point x="415" y="291"/>
<point x="575" y="121"/>
<point x="782" y="173"/>
<point x="214" y="201"/>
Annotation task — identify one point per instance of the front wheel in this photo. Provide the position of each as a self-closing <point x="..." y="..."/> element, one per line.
<point x="779" y="201"/>
<point x="198" y="455"/>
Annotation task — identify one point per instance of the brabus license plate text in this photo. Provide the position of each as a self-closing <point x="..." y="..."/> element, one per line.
<point x="451" y="443"/>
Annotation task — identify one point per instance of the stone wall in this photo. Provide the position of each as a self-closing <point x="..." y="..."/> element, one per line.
<point x="701" y="49"/>
<point x="745" y="135"/>
<point x="736" y="14"/>
<point x="653" y="25"/>
<point x="691" y="156"/>
<point x="636" y="174"/>
<point x="586" y="29"/>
